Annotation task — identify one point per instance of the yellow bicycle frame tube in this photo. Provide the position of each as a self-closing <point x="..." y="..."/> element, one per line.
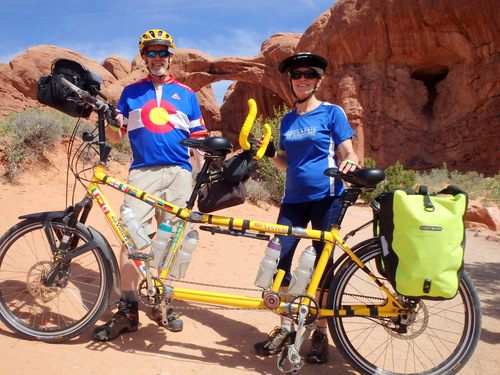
<point x="390" y="308"/>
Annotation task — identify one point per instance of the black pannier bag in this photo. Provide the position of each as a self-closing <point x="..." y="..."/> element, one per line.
<point x="53" y="93"/>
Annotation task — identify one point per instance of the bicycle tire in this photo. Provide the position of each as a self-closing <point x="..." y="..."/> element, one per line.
<point x="50" y="314"/>
<point x="440" y="341"/>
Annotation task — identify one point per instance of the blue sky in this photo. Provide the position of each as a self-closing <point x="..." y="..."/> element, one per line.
<point x="98" y="29"/>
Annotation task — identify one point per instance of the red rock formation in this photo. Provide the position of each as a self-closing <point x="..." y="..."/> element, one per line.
<point x="488" y="216"/>
<point x="419" y="81"/>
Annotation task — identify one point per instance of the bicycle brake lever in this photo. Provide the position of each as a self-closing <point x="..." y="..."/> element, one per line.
<point x="110" y="115"/>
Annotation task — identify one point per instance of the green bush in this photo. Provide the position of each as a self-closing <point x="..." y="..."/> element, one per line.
<point x="475" y="184"/>
<point x="395" y="177"/>
<point x="270" y="177"/>
<point x="27" y="136"/>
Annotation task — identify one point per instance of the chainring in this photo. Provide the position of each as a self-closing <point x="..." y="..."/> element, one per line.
<point x="142" y="290"/>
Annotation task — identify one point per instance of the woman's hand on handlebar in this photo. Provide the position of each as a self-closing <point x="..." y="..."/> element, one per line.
<point x="271" y="148"/>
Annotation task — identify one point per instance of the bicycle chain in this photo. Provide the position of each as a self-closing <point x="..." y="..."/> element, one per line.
<point x="209" y="307"/>
<point x="281" y="294"/>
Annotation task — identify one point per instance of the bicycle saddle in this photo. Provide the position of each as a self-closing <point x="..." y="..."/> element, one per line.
<point x="218" y="146"/>
<point x="365" y="177"/>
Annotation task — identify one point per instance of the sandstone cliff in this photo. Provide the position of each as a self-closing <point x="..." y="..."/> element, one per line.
<point x="419" y="81"/>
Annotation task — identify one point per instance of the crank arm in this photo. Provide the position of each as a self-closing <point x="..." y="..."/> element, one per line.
<point x="290" y="360"/>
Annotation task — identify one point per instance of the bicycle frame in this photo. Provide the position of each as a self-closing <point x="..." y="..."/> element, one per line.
<point x="391" y="307"/>
<point x="57" y="273"/>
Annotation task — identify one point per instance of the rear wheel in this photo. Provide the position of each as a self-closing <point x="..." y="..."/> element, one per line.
<point x="60" y="311"/>
<point x="439" y="339"/>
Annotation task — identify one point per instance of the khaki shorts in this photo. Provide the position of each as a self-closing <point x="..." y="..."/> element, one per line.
<point x="168" y="182"/>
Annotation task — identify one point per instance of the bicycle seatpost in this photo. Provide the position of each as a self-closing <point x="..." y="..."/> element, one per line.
<point x="348" y="198"/>
<point x="202" y="177"/>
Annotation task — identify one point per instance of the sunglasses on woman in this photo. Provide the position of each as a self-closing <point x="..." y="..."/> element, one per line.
<point x="307" y="74"/>
<point x="162" y="53"/>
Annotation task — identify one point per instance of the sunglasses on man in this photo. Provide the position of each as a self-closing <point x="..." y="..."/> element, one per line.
<point x="163" y="53"/>
<point x="307" y="74"/>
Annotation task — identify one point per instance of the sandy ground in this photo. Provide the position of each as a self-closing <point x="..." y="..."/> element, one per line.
<point x="213" y="341"/>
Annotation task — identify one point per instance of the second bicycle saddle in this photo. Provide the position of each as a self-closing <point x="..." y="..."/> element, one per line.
<point x="364" y="177"/>
<point x="217" y="146"/>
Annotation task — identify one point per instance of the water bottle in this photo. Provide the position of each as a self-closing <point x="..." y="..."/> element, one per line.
<point x="135" y="229"/>
<point x="160" y="243"/>
<point x="184" y="255"/>
<point x="303" y="272"/>
<point x="269" y="264"/>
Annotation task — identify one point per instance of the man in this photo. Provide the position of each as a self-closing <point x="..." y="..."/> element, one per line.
<point x="156" y="112"/>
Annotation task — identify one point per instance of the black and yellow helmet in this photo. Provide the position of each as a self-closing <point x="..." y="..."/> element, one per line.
<point x="156" y="36"/>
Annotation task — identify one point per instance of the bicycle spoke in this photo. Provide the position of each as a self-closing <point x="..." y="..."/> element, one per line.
<point x="438" y="339"/>
<point x="47" y="312"/>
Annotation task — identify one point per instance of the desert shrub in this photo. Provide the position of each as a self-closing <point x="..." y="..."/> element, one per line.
<point x="257" y="194"/>
<point x="121" y="151"/>
<point x="475" y="184"/>
<point x="26" y="137"/>
<point x="270" y="177"/>
<point x="395" y="177"/>
<point x="492" y="189"/>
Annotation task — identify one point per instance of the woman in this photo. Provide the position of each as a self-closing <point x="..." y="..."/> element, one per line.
<point x="310" y="136"/>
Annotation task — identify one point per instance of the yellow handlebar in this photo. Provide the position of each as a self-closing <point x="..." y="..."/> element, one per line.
<point x="247" y="126"/>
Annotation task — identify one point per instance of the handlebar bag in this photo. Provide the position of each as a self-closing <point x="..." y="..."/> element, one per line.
<point x="53" y="93"/>
<point x="215" y="196"/>
<point x="239" y="167"/>
<point x="423" y="241"/>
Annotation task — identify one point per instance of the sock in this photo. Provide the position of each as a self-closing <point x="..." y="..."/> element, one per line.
<point x="129" y="295"/>
<point x="288" y="327"/>
<point x="322" y="330"/>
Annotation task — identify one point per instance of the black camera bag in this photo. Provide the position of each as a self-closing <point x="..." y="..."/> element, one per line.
<point x="53" y="93"/>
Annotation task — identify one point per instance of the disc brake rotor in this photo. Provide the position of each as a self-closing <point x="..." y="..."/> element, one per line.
<point x="34" y="282"/>
<point x="408" y="327"/>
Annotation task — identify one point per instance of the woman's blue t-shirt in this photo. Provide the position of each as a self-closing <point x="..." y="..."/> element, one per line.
<point x="310" y="142"/>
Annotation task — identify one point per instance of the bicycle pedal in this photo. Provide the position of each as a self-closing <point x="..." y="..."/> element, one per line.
<point x="289" y="361"/>
<point x="140" y="256"/>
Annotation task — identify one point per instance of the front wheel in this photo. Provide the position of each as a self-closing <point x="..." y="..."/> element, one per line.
<point x="438" y="340"/>
<point x="59" y="311"/>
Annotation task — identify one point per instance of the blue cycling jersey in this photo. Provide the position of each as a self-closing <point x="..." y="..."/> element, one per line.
<point x="156" y="127"/>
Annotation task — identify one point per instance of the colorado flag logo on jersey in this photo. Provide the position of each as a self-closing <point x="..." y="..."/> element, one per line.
<point x="157" y="118"/>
